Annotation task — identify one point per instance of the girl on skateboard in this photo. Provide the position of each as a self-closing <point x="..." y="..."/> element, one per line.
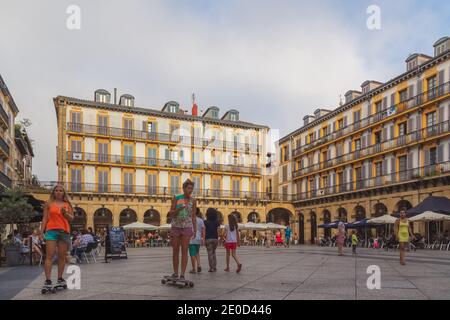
<point x="58" y="211"/>
<point x="184" y="226"/>
<point x="232" y="242"/>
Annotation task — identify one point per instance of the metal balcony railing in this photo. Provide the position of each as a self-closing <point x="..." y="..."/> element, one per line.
<point x="154" y="162"/>
<point x="405" y="176"/>
<point x="162" y="137"/>
<point x="4" y="147"/>
<point x="5" y="181"/>
<point x="3" y="115"/>
<point x="411" y="138"/>
<point x="410" y="103"/>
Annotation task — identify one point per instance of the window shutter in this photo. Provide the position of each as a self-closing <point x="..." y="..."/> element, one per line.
<point x="385" y="100"/>
<point x="329" y="129"/>
<point x="167" y="154"/>
<point x="427" y="157"/>
<point x="370" y="169"/>
<point x="440" y="153"/>
<point x="384" y="167"/>
<point x="368" y="139"/>
<point x="349" y="146"/>
<point x="384" y="135"/>
<point x="419" y="86"/>
<point x="391" y="132"/>
<point x="369" y="110"/>
<point x="393" y="165"/>
<point x="363" y="141"/>
<point x="410" y="125"/>
<point x="345" y="121"/>
<point x="392" y="99"/>
<point x="409" y="161"/>
<point x="334" y="126"/>
<point x="144" y="125"/>
<point x="441" y="113"/>
<point x="441" y="82"/>
<point x="419" y="122"/>
<point x="350" y="173"/>
<point x="410" y="91"/>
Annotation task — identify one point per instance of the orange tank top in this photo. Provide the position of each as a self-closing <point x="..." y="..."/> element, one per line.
<point x="56" y="219"/>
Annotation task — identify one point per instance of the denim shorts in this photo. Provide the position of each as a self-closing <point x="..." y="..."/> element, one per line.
<point x="57" y="235"/>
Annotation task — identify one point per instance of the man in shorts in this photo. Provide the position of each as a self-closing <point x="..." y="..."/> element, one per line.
<point x="195" y="242"/>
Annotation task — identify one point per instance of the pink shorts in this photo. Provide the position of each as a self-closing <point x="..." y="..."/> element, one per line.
<point x="181" y="232"/>
<point x="340" y="240"/>
<point x="230" y="245"/>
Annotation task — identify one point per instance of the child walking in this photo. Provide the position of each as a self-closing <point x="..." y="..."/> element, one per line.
<point x="354" y="241"/>
<point x="231" y="242"/>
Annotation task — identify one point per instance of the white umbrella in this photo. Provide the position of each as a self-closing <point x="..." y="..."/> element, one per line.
<point x="140" y="226"/>
<point x="430" y="216"/>
<point x="386" y="219"/>
<point x="274" y="226"/>
<point x="166" y="226"/>
<point x="252" y="226"/>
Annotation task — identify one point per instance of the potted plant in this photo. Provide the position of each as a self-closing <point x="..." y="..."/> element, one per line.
<point x="14" y="208"/>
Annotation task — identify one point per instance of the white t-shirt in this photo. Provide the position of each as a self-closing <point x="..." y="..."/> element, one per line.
<point x="231" y="235"/>
<point x="198" y="236"/>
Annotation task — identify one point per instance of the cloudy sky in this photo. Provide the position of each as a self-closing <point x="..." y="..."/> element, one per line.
<point x="275" y="61"/>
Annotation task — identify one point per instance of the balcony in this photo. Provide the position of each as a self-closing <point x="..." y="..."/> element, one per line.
<point x="4" y="148"/>
<point x="395" y="178"/>
<point x="389" y="113"/>
<point x="4" y="118"/>
<point x="94" y="158"/>
<point x="5" y="181"/>
<point x="77" y="128"/>
<point x="155" y="191"/>
<point x="407" y="140"/>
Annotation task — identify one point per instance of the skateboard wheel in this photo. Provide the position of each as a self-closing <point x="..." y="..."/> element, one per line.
<point x="43" y="291"/>
<point x="191" y="284"/>
<point x="163" y="281"/>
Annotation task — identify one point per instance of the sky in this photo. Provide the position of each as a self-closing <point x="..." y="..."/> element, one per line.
<point x="274" y="61"/>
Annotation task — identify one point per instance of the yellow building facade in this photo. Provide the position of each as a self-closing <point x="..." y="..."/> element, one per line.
<point x="386" y="148"/>
<point x="121" y="163"/>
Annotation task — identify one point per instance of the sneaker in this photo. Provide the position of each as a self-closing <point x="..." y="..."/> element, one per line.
<point x="174" y="276"/>
<point x="199" y="269"/>
<point x="61" y="281"/>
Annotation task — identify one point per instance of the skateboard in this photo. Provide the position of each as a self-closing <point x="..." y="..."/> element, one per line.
<point x="177" y="282"/>
<point x="54" y="289"/>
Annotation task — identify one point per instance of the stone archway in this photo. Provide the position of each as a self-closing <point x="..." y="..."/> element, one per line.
<point x="103" y="219"/>
<point x="127" y="216"/>
<point x="253" y="217"/>
<point x="326" y="219"/>
<point x="403" y="205"/>
<point x="153" y="217"/>
<point x="280" y="216"/>
<point x="360" y="213"/>
<point x="79" y="221"/>
<point x="342" y="215"/>
<point x="379" y="209"/>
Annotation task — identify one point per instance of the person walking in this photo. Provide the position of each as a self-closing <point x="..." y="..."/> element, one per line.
<point x="184" y="226"/>
<point x="403" y="233"/>
<point x="212" y="226"/>
<point x="340" y="237"/>
<point x="58" y="212"/>
<point x="354" y="241"/>
<point x="232" y="242"/>
<point x="287" y="235"/>
<point x="196" y="242"/>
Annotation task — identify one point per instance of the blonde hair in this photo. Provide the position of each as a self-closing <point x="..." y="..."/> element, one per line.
<point x="65" y="197"/>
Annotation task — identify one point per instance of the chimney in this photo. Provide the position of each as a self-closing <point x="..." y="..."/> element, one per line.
<point x="194" y="106"/>
<point x="115" y="95"/>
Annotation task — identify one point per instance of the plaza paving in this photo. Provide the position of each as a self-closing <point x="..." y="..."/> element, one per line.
<point x="303" y="272"/>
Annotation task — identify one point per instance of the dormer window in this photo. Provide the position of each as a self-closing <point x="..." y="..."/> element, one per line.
<point x="214" y="113"/>
<point x="126" y="100"/>
<point x="173" y="109"/>
<point x="102" y="96"/>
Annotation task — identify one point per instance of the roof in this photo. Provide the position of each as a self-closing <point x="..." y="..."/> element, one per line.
<point x="441" y="40"/>
<point x="390" y="83"/>
<point x="154" y="112"/>
<point x="415" y="55"/>
<point x="6" y="92"/>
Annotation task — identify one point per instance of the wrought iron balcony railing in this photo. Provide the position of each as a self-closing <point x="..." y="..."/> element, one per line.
<point x="162" y="137"/>
<point x="423" y="98"/>
<point x="5" y="181"/>
<point x="4" y="147"/>
<point x="160" y="163"/>
<point x="4" y="116"/>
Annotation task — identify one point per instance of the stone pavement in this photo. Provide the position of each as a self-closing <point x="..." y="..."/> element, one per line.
<point x="303" y="272"/>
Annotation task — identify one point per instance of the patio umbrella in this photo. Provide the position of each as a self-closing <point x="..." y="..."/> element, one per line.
<point x="430" y="216"/>
<point x="252" y="226"/>
<point x="139" y="226"/>
<point x="385" y="219"/>
<point x="274" y="226"/>
<point x="432" y="203"/>
<point x="166" y="226"/>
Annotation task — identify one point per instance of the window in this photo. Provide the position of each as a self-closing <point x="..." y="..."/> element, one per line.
<point x="102" y="152"/>
<point x="196" y="159"/>
<point x="128" y="128"/>
<point x="197" y="185"/>
<point x="173" y="129"/>
<point x="358" y="144"/>
<point x="216" y="187"/>
<point x="378" y="137"/>
<point x="433" y="156"/>
<point x="102" y="181"/>
<point x="402" y="167"/>
<point x="403" y="95"/>
<point x="431" y="123"/>
<point x="324" y="131"/>
<point x="254" y="188"/>
<point x="358" y="176"/>
<point x="75" y="149"/>
<point x="128" y="182"/>
<point x="173" y="109"/>
<point x="214" y="113"/>
<point x="285" y="174"/>
<point x="102" y="125"/>
<point x="325" y="182"/>
<point x="341" y="124"/>
<point x="378" y="169"/>
<point x="236" y="185"/>
<point x="75" y="185"/>
<point x="402" y="129"/>
<point x="76" y="121"/>
<point x="311" y="137"/>
<point x="128" y="153"/>
<point x="233" y="116"/>
<point x="285" y="153"/>
<point x="174" y="184"/>
<point x="378" y="106"/>
<point x="431" y="85"/>
<point x="152" y="156"/>
<point x="151" y="183"/>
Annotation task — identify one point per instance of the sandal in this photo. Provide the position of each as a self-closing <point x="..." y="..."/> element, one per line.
<point x="192" y="271"/>
<point x="239" y="268"/>
<point x="227" y="270"/>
